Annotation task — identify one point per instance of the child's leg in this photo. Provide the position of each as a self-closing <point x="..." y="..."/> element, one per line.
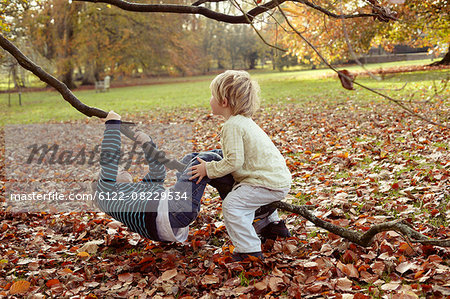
<point x="183" y="212"/>
<point x="156" y="170"/>
<point x="239" y="211"/>
<point x="264" y="220"/>
<point x="223" y="184"/>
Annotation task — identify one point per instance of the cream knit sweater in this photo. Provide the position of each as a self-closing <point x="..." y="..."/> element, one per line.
<point x="250" y="156"/>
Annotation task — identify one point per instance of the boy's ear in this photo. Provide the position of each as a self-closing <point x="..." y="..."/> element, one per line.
<point x="225" y="103"/>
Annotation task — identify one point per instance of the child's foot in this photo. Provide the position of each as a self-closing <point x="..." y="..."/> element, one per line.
<point x="274" y="230"/>
<point x="238" y="257"/>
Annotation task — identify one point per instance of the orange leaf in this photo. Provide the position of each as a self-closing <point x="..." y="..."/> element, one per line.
<point x="19" y="287"/>
<point x="83" y="254"/>
<point x="52" y="282"/>
<point x="419" y="274"/>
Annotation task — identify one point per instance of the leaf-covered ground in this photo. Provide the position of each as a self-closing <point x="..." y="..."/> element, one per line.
<point x="356" y="164"/>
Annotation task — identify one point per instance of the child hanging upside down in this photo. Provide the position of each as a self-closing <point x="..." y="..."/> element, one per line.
<point x="250" y="157"/>
<point x="147" y="207"/>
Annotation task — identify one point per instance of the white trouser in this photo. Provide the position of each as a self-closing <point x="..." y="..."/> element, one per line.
<point x="239" y="211"/>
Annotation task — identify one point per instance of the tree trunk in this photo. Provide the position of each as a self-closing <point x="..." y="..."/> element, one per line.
<point x="67" y="78"/>
<point x="89" y="75"/>
<point x="444" y="61"/>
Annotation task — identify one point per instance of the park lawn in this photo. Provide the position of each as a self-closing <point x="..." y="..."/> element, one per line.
<point x="276" y="88"/>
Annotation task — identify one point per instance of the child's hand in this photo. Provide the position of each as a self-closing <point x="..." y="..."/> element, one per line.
<point x="142" y="138"/>
<point x="198" y="171"/>
<point x="112" y="116"/>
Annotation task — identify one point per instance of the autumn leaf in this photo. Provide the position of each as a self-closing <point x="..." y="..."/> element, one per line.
<point x="346" y="79"/>
<point x="83" y="254"/>
<point x="210" y="279"/>
<point x="275" y="283"/>
<point x="52" y="282"/>
<point x="169" y="274"/>
<point x="125" y="277"/>
<point x="344" y="284"/>
<point x="391" y="286"/>
<point x="19" y="287"/>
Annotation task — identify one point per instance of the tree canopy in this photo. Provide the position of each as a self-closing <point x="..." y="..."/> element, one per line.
<point x="418" y="24"/>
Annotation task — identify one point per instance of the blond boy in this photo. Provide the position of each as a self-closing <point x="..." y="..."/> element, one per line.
<point x="249" y="155"/>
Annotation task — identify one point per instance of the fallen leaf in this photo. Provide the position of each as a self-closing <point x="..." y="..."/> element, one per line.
<point x="125" y="277"/>
<point x="390" y="286"/>
<point x="405" y="266"/>
<point x="52" y="282"/>
<point x="275" y="283"/>
<point x="344" y="284"/>
<point x="260" y="286"/>
<point x="169" y="274"/>
<point x="19" y="287"/>
<point x="91" y="246"/>
<point x="210" y="279"/>
<point x="83" y="254"/>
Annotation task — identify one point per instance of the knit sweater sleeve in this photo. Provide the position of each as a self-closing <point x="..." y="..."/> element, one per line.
<point x="233" y="152"/>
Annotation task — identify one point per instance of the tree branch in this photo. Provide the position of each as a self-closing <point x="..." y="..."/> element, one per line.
<point x="26" y="63"/>
<point x="192" y="9"/>
<point x="333" y="15"/>
<point x="200" y="2"/>
<point x="365" y="239"/>
<point x="67" y="94"/>
<point x="245" y="18"/>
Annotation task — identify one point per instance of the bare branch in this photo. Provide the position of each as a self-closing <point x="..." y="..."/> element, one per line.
<point x="352" y="52"/>
<point x="245" y="18"/>
<point x="257" y="32"/>
<point x="27" y="64"/>
<point x="333" y="15"/>
<point x="366" y="238"/>
<point x="200" y="2"/>
<point x="191" y="9"/>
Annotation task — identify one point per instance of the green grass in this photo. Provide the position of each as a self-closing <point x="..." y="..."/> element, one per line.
<point x="276" y="88"/>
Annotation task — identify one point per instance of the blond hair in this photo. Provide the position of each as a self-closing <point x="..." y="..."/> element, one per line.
<point x="239" y="89"/>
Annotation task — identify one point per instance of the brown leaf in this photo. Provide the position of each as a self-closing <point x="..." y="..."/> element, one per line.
<point x="346" y="79"/>
<point x="275" y="283"/>
<point x="391" y="286"/>
<point x="210" y="279"/>
<point x="169" y="274"/>
<point x="344" y="284"/>
<point x="405" y="266"/>
<point x="351" y="271"/>
<point x="260" y="286"/>
<point x="349" y="257"/>
<point x="19" y="287"/>
<point x="315" y="288"/>
<point x="125" y="277"/>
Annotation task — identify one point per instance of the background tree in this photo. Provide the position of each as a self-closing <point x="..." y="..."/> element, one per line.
<point x="419" y="24"/>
